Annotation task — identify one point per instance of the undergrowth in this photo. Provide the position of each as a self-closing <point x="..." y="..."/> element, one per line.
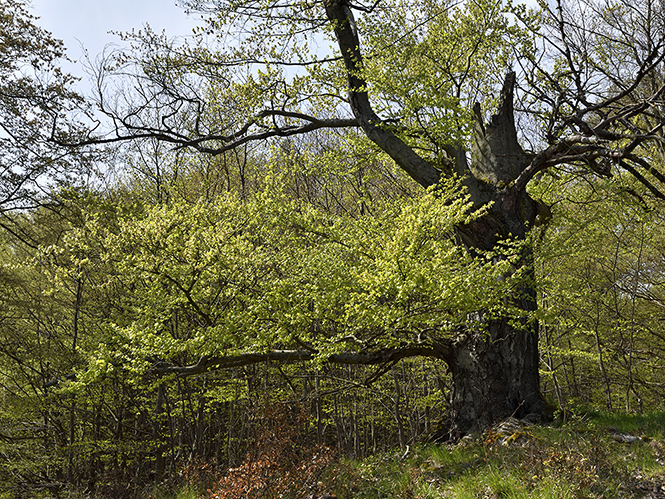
<point x="585" y="458"/>
<point x="590" y="456"/>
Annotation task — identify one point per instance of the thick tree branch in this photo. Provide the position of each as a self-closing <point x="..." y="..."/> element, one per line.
<point x="437" y="350"/>
<point x="228" y="142"/>
<point x="340" y="15"/>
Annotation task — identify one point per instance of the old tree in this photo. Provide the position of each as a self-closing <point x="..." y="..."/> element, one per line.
<point x="432" y="85"/>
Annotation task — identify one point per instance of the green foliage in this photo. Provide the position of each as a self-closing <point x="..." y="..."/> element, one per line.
<point x="231" y="277"/>
<point x="325" y="250"/>
<point x="35" y="97"/>
<point x="432" y="60"/>
<point x="601" y="269"/>
<point x="258" y="67"/>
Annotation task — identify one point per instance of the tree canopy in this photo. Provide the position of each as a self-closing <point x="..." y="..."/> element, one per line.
<point x="233" y="283"/>
<point x="407" y="74"/>
<point x="38" y="109"/>
<point x="419" y="81"/>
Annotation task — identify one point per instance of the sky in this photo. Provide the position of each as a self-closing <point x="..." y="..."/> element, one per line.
<point x="87" y="22"/>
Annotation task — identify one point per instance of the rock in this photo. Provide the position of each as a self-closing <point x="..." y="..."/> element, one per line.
<point x="624" y="437"/>
<point x="532" y="418"/>
<point x="508" y="432"/>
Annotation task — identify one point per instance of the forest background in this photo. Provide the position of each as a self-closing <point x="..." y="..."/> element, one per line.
<point x="176" y="301"/>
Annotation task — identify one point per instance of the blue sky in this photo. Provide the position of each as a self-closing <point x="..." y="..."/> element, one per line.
<point x="87" y="22"/>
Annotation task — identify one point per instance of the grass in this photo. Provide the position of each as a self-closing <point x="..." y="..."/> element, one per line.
<point x="581" y="459"/>
<point x="186" y="491"/>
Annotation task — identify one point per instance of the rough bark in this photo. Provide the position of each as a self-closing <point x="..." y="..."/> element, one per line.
<point x="341" y="18"/>
<point x="494" y="363"/>
<point x="495" y="375"/>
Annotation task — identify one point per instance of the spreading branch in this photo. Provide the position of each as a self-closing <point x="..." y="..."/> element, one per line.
<point x="438" y="350"/>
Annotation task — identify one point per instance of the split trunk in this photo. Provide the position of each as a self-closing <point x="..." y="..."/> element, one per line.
<point x="494" y="363"/>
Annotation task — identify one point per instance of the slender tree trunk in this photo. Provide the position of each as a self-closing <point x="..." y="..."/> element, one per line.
<point x="157" y="434"/>
<point x="72" y="407"/>
<point x="573" y="384"/>
<point x="318" y="407"/>
<point x="631" y="345"/>
<point x="546" y="335"/>
<point x="601" y="361"/>
<point x="399" y="419"/>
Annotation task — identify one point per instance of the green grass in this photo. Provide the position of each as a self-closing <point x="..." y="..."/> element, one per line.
<point x="184" y="492"/>
<point x="580" y="459"/>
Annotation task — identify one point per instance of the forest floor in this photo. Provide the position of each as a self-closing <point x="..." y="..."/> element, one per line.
<point x="596" y="456"/>
<point x="589" y="456"/>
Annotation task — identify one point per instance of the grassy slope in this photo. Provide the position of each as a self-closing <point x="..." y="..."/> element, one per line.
<point x="581" y="458"/>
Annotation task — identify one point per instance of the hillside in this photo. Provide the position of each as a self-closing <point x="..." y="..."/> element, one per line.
<point x="591" y="455"/>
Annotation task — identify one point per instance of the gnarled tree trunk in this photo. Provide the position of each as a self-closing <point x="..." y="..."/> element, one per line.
<point x="494" y="364"/>
<point x="495" y="375"/>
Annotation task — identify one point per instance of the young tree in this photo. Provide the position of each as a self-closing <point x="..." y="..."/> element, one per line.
<point x="414" y="78"/>
<point x="601" y="295"/>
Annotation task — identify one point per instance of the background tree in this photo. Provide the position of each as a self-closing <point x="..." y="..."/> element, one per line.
<point x="317" y="248"/>
<point x="35" y="96"/>
<point x="39" y="330"/>
<point x="600" y="294"/>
